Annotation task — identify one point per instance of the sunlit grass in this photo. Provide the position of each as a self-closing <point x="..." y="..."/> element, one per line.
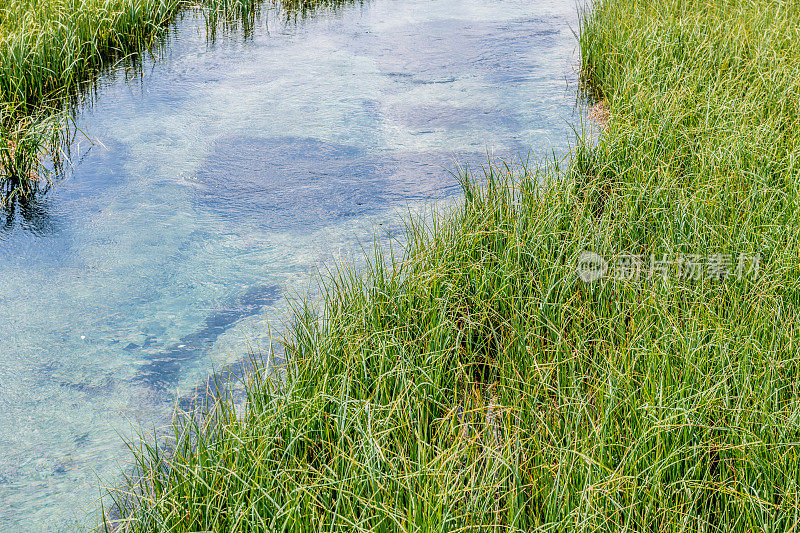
<point x="473" y="381"/>
<point x="49" y="51"/>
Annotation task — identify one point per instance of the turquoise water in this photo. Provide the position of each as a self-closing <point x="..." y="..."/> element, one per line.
<point x="221" y="176"/>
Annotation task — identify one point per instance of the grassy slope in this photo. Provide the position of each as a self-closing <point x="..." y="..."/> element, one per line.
<point x="479" y="381"/>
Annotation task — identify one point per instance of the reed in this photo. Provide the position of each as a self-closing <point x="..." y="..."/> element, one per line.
<point x="41" y="134"/>
<point x="474" y="381"/>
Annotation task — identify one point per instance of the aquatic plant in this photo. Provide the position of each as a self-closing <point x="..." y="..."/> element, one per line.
<point x="30" y="152"/>
<point x="577" y="347"/>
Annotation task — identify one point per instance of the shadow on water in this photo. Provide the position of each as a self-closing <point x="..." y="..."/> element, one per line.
<point x="31" y="214"/>
<point x="301" y="184"/>
<point x="294" y="10"/>
<point x="162" y="367"/>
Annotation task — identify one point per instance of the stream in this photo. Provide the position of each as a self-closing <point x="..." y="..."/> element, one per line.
<point x="219" y="178"/>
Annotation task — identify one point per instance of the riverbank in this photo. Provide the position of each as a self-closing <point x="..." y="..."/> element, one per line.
<point x="605" y="345"/>
<point x="210" y="184"/>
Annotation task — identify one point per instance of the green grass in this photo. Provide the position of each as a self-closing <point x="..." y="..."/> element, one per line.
<point x="51" y="48"/>
<point x="49" y="51"/>
<point x="31" y="152"/>
<point x="475" y="382"/>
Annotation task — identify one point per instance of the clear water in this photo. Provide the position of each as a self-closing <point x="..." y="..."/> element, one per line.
<point x="223" y="176"/>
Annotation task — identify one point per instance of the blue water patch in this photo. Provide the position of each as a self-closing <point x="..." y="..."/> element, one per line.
<point x="161" y="367"/>
<point x="302" y="184"/>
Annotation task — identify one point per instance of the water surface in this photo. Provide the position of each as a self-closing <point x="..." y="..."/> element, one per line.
<point x="220" y="178"/>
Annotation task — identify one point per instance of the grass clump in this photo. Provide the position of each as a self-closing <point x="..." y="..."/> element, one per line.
<point x="42" y="134"/>
<point x="299" y="9"/>
<point x="476" y="382"/>
<point x="50" y="48"/>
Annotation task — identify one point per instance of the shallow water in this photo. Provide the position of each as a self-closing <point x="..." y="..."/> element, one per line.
<point x="224" y="175"/>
